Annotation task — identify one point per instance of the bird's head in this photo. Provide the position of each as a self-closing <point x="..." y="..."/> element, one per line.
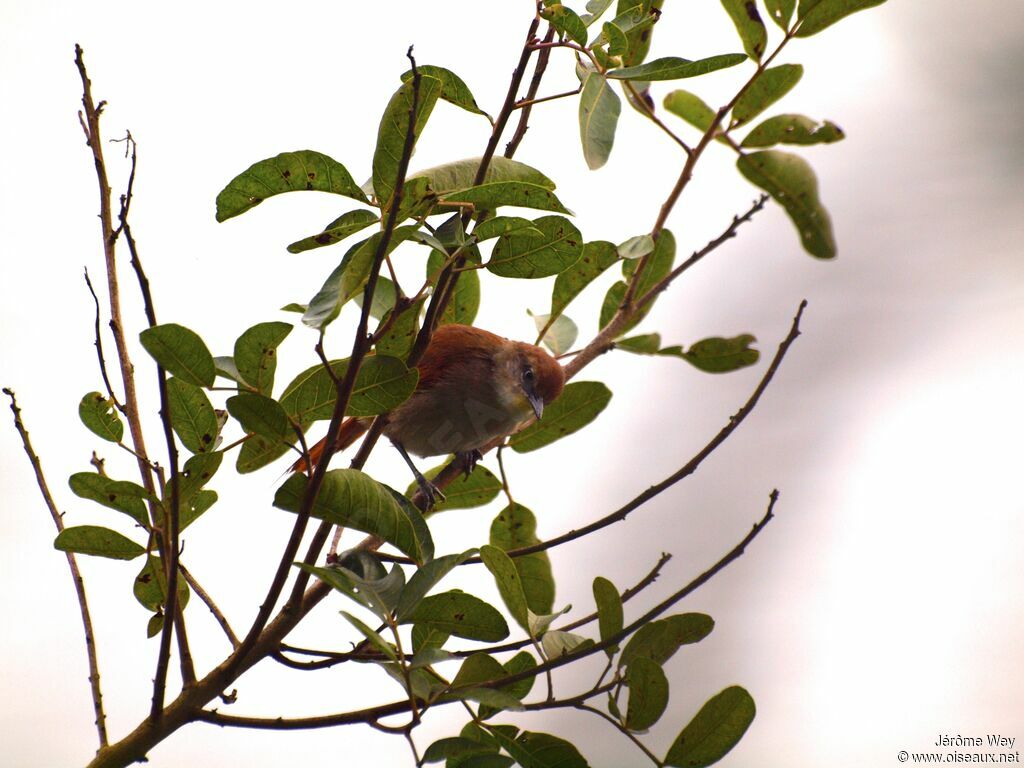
<point x="529" y="377"/>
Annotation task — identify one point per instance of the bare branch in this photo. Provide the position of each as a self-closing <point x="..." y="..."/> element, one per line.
<point x="208" y="601"/>
<point x="76" y="576"/>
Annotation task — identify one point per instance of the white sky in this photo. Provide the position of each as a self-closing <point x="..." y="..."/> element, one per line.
<point x="881" y="608"/>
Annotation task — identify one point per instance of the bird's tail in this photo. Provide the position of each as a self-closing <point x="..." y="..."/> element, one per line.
<point x="351" y="430"/>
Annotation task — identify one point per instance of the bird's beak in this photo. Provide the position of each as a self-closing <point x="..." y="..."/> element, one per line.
<point x="537" y="402"/>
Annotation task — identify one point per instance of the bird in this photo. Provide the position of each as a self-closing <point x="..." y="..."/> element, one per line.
<point x="474" y="387"/>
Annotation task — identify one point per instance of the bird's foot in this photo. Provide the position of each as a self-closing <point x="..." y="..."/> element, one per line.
<point x="469" y="460"/>
<point x="430" y="492"/>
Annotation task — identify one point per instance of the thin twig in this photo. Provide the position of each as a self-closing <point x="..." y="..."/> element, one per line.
<point x="208" y="601"/>
<point x="620" y="728"/>
<point x="531" y="97"/>
<point x="99" y="347"/>
<point x="375" y="713"/>
<point x="76" y="576"/>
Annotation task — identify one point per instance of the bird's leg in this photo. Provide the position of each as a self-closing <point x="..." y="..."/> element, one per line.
<point x="469" y="460"/>
<point x="430" y="491"/>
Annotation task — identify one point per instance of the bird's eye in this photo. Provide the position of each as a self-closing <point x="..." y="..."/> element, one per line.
<point x="528" y="374"/>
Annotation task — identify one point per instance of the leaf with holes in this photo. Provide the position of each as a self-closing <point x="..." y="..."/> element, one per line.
<point x="99" y="414"/>
<point x="192" y="416"/>
<point x="121" y="495"/>
<point x="255" y="354"/>
<point x="343" y="226"/>
<point x="531" y="257"/>
<point x="579" y="404"/>
<point x="791" y="182"/>
<point x="792" y="129"/>
<point x="780" y="11"/>
<point x="287" y="172"/>
<point x="150" y="586"/>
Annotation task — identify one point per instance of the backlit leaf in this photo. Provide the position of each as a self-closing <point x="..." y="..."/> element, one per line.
<point x="150" y="587"/>
<point x="461" y="174"/>
<point x="530" y="257"/>
<point x="287" y="172"/>
<point x="345" y="225"/>
<point x="558" y="334"/>
<point x="181" y="353"/>
<point x="609" y="611"/>
<point x="122" y="495"/>
<point x="659" y="640"/>
<point x="690" y="108"/>
<point x="598" y="117"/>
<point x="791" y="183"/>
<point x="192" y="416"/>
<point x="462" y="615"/>
<point x="425" y="578"/>
<point x="453" y="89"/>
<point x="100" y="415"/>
<point x="748" y="24"/>
<point x="391" y="136"/>
<point x="719" y="355"/>
<point x="516" y="527"/>
<point x="648" y="694"/>
<point x="259" y="414"/>
<point x="675" y="68"/>
<point x="770" y="86"/>
<point x="792" y="129"/>
<point x="816" y="15"/>
<point x="95" y="540"/>
<point x="352" y="499"/>
<point x="595" y="258"/>
<point x="481" y="487"/>
<point x="781" y="11"/>
<point x="579" y="404"/>
<point x="506" y="577"/>
<point x="565" y="21"/>
<point x="520" y="194"/>
<point x="715" y="730"/>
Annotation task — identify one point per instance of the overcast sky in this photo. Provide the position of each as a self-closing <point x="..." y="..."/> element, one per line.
<point x="881" y="608"/>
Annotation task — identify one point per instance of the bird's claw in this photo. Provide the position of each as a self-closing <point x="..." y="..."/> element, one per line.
<point x="430" y="492"/>
<point x="469" y="460"/>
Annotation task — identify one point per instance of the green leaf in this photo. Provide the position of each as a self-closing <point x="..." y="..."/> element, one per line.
<point x="461" y="174"/>
<point x="478" y="668"/>
<point x="579" y="404"/>
<point x="192" y="416"/>
<point x="521" y="194"/>
<point x="352" y="499"/>
<point x="792" y="129"/>
<point x="454" y="747"/>
<point x="609" y="611"/>
<point x="618" y="43"/>
<point x="372" y="635"/>
<point x="817" y="15"/>
<point x="595" y="9"/>
<point x="506" y="577"/>
<point x="399" y="339"/>
<point x="382" y="384"/>
<point x="749" y="26"/>
<point x="121" y="495"/>
<point x="598" y="115"/>
<point x="259" y="414"/>
<point x="595" y="258"/>
<point x="516" y="527"/>
<point x="637" y="17"/>
<point x="656" y="266"/>
<point x="558" y="334"/>
<point x="461" y="614"/>
<point x="226" y="368"/>
<point x="645" y="344"/>
<point x="255" y="354"/>
<point x="345" y="225"/>
<point x="781" y="11"/>
<point x="150" y="586"/>
<point x="770" y="86"/>
<point x="181" y="353"/>
<point x="154" y="625"/>
<point x="531" y="257"/>
<point x="659" y="640"/>
<point x="718" y="355"/>
<point x="715" y="730"/>
<point x="636" y="247"/>
<point x="453" y="89"/>
<point x="287" y="172"/>
<point x="648" y="694"/>
<point x="195" y="507"/>
<point x="557" y="643"/>
<point x="424" y="580"/>
<point x="95" y="540"/>
<point x="675" y="68"/>
<point x="566" y="22"/>
<point x="384" y="297"/>
<point x="540" y="750"/>
<point x="196" y="473"/>
<point x="792" y="184"/>
<point x="540" y="623"/>
<point x="504" y="225"/>
<point x="690" y="108"/>
<point x="257" y="452"/>
<point x="369" y="593"/>
<point x="99" y="414"/>
<point x="391" y="135"/>
<point x="520" y="689"/>
<point x="480" y="488"/>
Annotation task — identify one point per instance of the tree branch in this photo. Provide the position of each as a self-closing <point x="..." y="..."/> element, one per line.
<point x="76" y="576"/>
